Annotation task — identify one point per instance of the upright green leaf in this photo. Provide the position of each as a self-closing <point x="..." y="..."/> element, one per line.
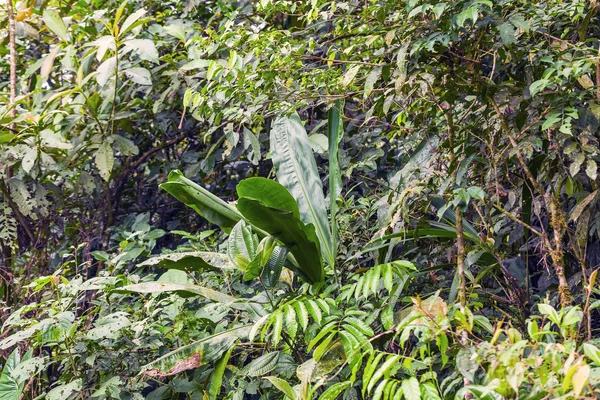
<point x="206" y="204"/>
<point x="55" y="23"/>
<point x="217" y="377"/>
<point x="297" y="171"/>
<point x="336" y="132"/>
<point x="274" y="266"/>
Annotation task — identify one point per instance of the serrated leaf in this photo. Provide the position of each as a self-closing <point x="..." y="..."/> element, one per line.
<point x="262" y="365"/>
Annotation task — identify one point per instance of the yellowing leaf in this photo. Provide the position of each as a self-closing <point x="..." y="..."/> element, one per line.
<point x="580" y="378"/>
<point x="350" y="75"/>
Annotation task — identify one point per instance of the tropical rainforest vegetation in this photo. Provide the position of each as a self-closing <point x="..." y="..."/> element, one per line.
<point x="299" y="199"/>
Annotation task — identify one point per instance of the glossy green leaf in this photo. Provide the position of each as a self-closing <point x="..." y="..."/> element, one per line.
<point x="242" y="245"/>
<point x="270" y="193"/>
<point x="293" y="233"/>
<point x="206" y="204"/>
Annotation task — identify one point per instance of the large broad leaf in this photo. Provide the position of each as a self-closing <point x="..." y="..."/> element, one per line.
<point x="191" y="261"/>
<point x="195" y="354"/>
<point x="297" y="171"/>
<point x="291" y="231"/>
<point x="336" y="132"/>
<point x="183" y="289"/>
<point x="10" y="386"/>
<point x="270" y="193"/>
<point x="202" y="201"/>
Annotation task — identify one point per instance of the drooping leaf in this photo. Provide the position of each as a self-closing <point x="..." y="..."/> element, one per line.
<point x="65" y="391"/>
<point x="196" y="354"/>
<point x="297" y="171"/>
<point x="268" y="192"/>
<point x="206" y="204"/>
<point x="335" y="390"/>
<point x="183" y="289"/>
<point x="411" y="389"/>
<point x="106" y="70"/>
<point x="242" y="244"/>
<point x="274" y="266"/>
<point x="262" y="365"/>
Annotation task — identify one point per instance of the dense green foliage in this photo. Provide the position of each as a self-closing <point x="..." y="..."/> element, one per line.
<point x="299" y="200"/>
